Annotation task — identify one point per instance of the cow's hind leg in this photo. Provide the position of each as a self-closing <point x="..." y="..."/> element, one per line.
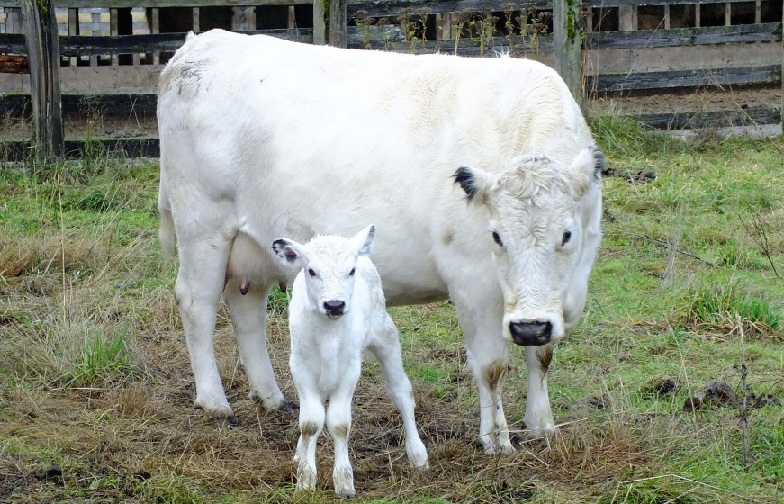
<point x="388" y="353"/>
<point x="248" y="314"/>
<point x="198" y="288"/>
<point x="538" y="415"/>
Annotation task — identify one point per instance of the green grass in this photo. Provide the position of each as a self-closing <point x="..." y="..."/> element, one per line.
<point x="95" y="383"/>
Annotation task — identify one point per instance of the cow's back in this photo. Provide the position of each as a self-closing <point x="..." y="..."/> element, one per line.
<point x="299" y="139"/>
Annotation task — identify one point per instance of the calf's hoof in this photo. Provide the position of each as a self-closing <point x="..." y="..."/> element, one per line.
<point x="306" y="478"/>
<point x="343" y="479"/>
<point x="417" y="456"/>
<point x="275" y="403"/>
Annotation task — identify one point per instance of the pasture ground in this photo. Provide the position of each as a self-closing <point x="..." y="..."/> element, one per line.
<point x="96" y="390"/>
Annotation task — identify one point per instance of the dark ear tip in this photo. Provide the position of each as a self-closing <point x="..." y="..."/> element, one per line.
<point x="465" y="177"/>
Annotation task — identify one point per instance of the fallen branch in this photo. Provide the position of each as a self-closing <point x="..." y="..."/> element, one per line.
<point x="668" y="245"/>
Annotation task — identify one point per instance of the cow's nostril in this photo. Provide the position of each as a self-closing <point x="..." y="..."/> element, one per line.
<point x="336" y="307"/>
<point x="532" y="333"/>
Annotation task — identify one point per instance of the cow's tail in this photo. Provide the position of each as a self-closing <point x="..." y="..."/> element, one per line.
<point x="166" y="235"/>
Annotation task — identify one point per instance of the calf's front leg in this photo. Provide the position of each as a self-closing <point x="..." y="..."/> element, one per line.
<point x="339" y="425"/>
<point x="311" y="422"/>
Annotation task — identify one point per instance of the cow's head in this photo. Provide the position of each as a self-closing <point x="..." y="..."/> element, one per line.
<point x="544" y="225"/>
<point x="328" y="265"/>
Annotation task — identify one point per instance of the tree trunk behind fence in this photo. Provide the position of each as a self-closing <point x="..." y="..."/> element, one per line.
<point x="567" y="28"/>
<point x="43" y="49"/>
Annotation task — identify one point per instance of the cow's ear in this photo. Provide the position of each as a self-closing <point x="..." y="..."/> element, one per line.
<point x="474" y="182"/>
<point x="363" y="241"/>
<point x="288" y="251"/>
<point x="586" y="169"/>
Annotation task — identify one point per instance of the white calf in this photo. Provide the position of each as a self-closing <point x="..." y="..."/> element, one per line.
<point x="337" y="311"/>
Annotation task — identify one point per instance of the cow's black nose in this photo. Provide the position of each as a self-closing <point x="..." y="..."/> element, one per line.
<point x="532" y="333"/>
<point x="334" y="308"/>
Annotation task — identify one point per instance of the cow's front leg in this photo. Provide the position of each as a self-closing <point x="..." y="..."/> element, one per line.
<point x="538" y="415"/>
<point x="248" y="313"/>
<point x="339" y="425"/>
<point x="198" y="287"/>
<point x="489" y="360"/>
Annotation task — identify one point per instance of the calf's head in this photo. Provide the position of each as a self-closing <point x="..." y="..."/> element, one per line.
<point x="538" y="214"/>
<point x="328" y="265"/>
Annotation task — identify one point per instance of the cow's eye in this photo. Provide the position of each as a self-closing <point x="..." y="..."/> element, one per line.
<point x="497" y="239"/>
<point x="566" y="237"/>
<point x="353" y="270"/>
<point x="311" y="272"/>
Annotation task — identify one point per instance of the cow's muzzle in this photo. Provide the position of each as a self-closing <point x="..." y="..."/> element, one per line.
<point x="334" y="309"/>
<point x="532" y="333"/>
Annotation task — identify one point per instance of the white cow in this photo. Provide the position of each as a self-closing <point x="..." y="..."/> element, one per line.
<point x="262" y="138"/>
<point x="337" y="311"/>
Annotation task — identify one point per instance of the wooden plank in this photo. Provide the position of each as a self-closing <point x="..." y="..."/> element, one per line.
<point x="395" y="9"/>
<point x="13" y="64"/>
<point x="636" y="3"/>
<point x="686" y="78"/>
<point x="338" y="23"/>
<point x="319" y="27"/>
<point x="75" y="149"/>
<point x="763" y="32"/>
<point x="159" y="3"/>
<point x="73" y="105"/>
<point x="751" y="116"/>
<point x="43" y="53"/>
<point x="392" y="38"/>
<point x="73" y="29"/>
<point x="627" y="18"/>
<point x="13" y="43"/>
<point x="153" y="42"/>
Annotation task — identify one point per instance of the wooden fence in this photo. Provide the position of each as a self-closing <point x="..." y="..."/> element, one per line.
<point x="113" y="50"/>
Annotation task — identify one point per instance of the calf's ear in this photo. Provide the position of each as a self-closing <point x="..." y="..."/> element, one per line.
<point x="474" y="182"/>
<point x="363" y="241"/>
<point x="288" y="251"/>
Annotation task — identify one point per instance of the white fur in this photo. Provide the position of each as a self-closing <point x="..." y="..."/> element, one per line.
<point x="262" y="138"/>
<point x="327" y="349"/>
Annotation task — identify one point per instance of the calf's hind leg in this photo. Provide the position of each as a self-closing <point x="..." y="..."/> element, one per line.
<point x="388" y="352"/>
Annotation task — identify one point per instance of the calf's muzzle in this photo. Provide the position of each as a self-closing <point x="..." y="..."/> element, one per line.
<point x="334" y="308"/>
<point x="531" y="333"/>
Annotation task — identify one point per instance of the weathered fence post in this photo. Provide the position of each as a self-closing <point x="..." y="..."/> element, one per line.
<point x="319" y="28"/>
<point x="567" y="26"/>
<point x="338" y="23"/>
<point x="43" y="51"/>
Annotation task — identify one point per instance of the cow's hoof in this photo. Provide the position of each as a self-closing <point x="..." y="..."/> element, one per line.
<point x="500" y="449"/>
<point x="547" y="433"/>
<point x="220" y="413"/>
<point x="275" y="403"/>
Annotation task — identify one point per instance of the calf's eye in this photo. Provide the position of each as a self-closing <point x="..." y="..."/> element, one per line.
<point x="566" y="237"/>
<point x="497" y="238"/>
<point x="353" y="270"/>
<point x="311" y="272"/>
